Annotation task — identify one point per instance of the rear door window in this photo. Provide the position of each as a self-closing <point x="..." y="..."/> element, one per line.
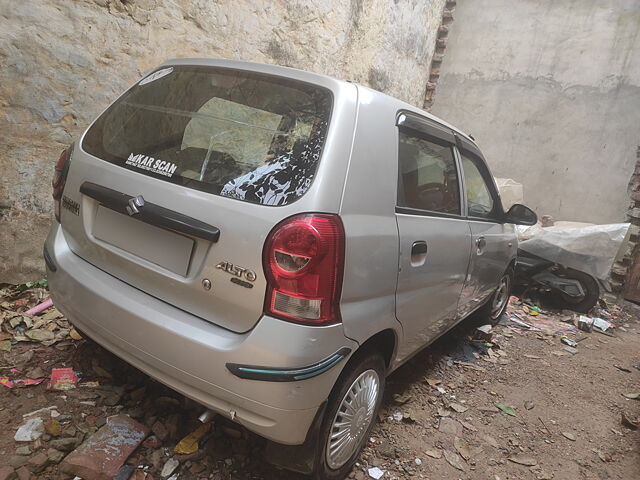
<point x="428" y="179"/>
<point x="242" y="135"/>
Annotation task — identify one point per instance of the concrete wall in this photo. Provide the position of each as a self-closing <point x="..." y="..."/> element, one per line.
<point x="551" y="91"/>
<point x="63" y="61"/>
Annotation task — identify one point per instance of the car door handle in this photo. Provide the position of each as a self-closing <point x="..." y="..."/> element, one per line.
<point x="149" y="213"/>
<point x="480" y="244"/>
<point x="418" y="253"/>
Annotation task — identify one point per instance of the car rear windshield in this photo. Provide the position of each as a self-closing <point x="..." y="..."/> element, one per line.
<point x="243" y="135"/>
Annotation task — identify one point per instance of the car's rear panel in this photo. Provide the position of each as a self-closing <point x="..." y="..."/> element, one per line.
<point x="171" y="260"/>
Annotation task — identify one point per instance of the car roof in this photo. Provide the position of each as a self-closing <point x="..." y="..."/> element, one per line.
<point x="308" y="77"/>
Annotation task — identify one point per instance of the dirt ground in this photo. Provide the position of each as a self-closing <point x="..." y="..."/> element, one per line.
<point x="439" y="419"/>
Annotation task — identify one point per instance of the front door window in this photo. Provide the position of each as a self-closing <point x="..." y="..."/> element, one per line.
<point x="479" y="200"/>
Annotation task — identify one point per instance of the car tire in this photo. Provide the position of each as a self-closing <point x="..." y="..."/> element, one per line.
<point x="358" y="394"/>
<point x="497" y="303"/>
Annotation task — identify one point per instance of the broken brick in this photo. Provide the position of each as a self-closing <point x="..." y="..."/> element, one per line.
<point x="151" y="442"/>
<point x="160" y="430"/>
<point x="39" y="462"/>
<point x="172" y="425"/>
<point x="7" y="473"/>
<point x="103" y="453"/>
<point x="64" y="444"/>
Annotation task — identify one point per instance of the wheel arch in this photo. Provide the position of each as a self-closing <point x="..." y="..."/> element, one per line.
<point x="384" y="342"/>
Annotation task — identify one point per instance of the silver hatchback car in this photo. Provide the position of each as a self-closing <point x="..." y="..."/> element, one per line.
<point x="272" y="243"/>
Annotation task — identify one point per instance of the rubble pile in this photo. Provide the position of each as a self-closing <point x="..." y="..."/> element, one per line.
<point x="103" y="418"/>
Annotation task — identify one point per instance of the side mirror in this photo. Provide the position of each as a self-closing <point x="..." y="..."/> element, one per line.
<point x="521" y="215"/>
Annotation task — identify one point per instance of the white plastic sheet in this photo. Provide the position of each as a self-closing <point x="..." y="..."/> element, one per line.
<point x="591" y="249"/>
<point x="511" y="192"/>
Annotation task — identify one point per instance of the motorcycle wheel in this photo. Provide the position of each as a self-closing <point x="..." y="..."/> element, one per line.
<point x="579" y="304"/>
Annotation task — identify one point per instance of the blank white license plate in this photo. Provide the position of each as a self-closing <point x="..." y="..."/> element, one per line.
<point x="168" y="249"/>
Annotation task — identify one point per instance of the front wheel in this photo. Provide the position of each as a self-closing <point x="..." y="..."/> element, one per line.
<point x="350" y="415"/>
<point x="497" y="304"/>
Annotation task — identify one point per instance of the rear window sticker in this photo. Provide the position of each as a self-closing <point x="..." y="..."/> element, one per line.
<point x="156" y="75"/>
<point x="145" y="162"/>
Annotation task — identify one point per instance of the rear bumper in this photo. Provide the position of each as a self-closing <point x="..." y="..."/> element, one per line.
<point x="190" y="355"/>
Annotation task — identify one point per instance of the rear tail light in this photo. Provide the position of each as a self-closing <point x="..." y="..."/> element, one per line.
<point x="304" y="263"/>
<point x="60" y="177"/>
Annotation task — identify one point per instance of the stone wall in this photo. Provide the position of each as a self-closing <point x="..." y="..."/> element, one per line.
<point x="62" y="62"/>
<point x="551" y="91"/>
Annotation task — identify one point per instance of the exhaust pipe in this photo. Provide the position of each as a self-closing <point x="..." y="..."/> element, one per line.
<point x="206" y="416"/>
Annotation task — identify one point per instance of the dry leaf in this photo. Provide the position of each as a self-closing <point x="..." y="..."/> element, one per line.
<point x="40" y="335"/>
<point x="468" y="426"/>
<point x="433" y="453"/>
<point x="506" y="409"/>
<point x="401" y="399"/>
<point x="522" y="460"/>
<point x="628" y="422"/>
<point x="453" y="459"/>
<point x="491" y="441"/>
<point x="458" y="408"/>
<point x="75" y="335"/>
<point x="443" y="413"/>
<point x="462" y="447"/>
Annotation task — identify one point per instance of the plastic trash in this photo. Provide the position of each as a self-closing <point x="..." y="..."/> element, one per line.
<point x="602" y="324"/>
<point x="63" y="379"/>
<point x="190" y="443"/>
<point x="24" y="382"/>
<point x="483" y="333"/>
<point x="375" y="473"/>
<point x="40" y="307"/>
<point x="585" y="324"/>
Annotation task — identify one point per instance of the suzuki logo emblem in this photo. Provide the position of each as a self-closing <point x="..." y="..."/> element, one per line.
<point x="135" y="204"/>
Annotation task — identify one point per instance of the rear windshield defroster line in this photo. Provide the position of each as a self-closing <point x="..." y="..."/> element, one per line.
<point x="242" y="135"/>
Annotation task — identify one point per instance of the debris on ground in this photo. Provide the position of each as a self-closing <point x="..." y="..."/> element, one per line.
<point x="30" y="431"/>
<point x="439" y="418"/>
<point x="190" y="443"/>
<point x="506" y="409"/>
<point x="375" y="473"/>
<point x="453" y="459"/>
<point x="629" y="422"/>
<point x="103" y="453"/>
<point x="622" y="369"/>
<point x="63" y="379"/>
<point x="523" y="460"/>
<point x="483" y="333"/>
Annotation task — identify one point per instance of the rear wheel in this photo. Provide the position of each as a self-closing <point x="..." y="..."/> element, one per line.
<point x="350" y="415"/>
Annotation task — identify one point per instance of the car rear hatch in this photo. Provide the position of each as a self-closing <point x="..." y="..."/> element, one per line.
<point x="174" y="188"/>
